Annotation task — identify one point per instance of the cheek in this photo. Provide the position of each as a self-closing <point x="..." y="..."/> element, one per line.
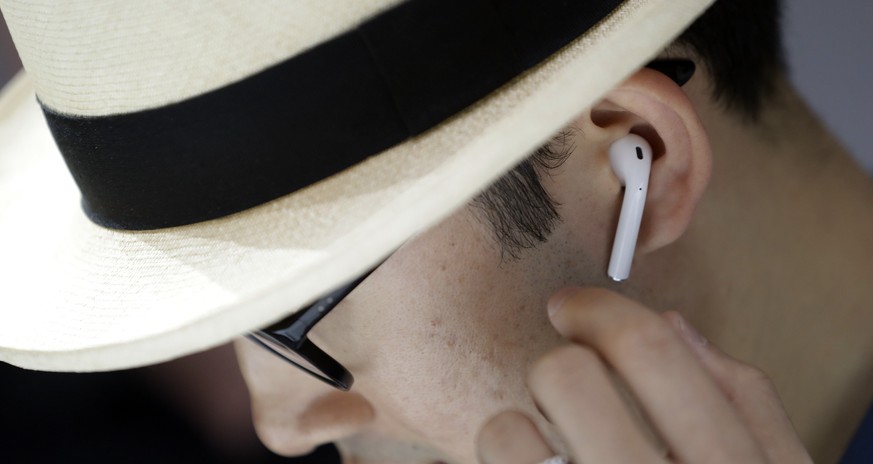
<point x="441" y="337"/>
<point x="440" y="381"/>
<point x="454" y="349"/>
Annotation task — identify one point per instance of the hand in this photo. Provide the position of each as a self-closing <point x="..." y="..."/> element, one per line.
<point x="705" y="406"/>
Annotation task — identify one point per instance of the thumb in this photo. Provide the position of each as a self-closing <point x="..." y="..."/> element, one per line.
<point x="750" y="391"/>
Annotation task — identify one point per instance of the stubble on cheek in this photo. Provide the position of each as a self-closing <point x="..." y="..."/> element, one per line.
<point x="459" y="331"/>
<point x="467" y="369"/>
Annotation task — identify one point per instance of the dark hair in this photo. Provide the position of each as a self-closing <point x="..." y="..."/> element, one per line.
<point x="520" y="211"/>
<point x="739" y="43"/>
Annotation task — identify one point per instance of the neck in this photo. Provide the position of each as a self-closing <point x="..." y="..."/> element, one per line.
<point x="782" y="270"/>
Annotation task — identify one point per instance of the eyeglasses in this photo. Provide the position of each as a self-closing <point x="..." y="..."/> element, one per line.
<point x="287" y="339"/>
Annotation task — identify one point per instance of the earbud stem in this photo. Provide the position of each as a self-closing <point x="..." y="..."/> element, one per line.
<point x="627" y="232"/>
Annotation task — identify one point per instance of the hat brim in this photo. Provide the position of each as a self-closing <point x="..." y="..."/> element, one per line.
<point x="79" y="297"/>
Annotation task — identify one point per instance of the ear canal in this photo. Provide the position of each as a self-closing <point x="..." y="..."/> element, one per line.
<point x="631" y="160"/>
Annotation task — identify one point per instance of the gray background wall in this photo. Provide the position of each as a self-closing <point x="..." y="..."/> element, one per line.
<point x="830" y="52"/>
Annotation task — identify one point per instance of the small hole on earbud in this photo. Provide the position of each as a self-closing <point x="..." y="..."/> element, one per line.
<point x="639" y="153"/>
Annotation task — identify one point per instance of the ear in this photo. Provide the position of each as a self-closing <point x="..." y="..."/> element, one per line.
<point x="653" y="106"/>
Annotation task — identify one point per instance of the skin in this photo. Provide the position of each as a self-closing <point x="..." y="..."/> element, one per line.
<point x="737" y="415"/>
<point x="758" y="234"/>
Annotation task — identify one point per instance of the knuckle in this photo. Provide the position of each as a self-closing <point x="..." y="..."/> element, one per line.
<point x="751" y="376"/>
<point x="749" y="382"/>
<point x="642" y="334"/>
<point x="552" y="368"/>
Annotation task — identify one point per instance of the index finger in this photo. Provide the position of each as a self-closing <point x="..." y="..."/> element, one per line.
<point x="679" y="397"/>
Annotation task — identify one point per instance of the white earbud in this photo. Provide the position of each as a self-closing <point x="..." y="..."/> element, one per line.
<point x="631" y="160"/>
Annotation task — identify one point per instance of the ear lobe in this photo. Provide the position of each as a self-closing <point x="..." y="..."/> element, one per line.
<point x="653" y="106"/>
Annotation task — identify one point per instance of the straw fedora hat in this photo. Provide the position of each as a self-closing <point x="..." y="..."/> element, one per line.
<point x="174" y="174"/>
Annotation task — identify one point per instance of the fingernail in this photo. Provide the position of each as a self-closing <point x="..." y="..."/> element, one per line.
<point x="557" y="299"/>
<point x="690" y="333"/>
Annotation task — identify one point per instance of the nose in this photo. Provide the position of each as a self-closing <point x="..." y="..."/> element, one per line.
<point x="293" y="412"/>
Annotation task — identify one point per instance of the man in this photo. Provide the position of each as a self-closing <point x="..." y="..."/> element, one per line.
<point x="756" y="228"/>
